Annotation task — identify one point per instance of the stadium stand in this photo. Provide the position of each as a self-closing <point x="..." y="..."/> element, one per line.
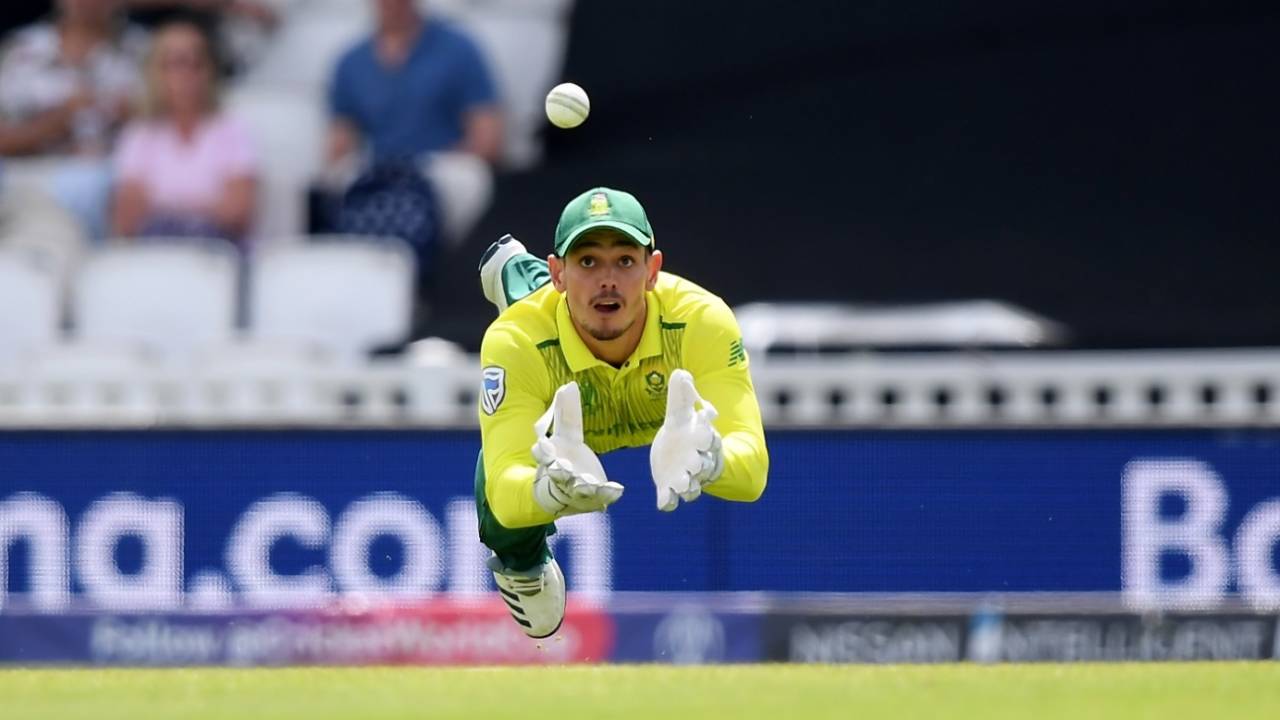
<point x="349" y="295"/>
<point x="169" y="297"/>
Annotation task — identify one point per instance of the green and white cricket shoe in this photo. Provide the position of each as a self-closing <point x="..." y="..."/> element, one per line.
<point x="534" y="597"/>
<point x="491" y="264"/>
<point x="508" y="272"/>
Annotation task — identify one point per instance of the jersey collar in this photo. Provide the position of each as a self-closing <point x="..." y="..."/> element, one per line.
<point x="579" y="357"/>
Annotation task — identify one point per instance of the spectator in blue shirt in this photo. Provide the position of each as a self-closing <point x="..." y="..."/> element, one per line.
<point x="418" y="88"/>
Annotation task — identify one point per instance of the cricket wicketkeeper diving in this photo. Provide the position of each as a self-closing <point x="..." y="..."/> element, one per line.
<point x="596" y="349"/>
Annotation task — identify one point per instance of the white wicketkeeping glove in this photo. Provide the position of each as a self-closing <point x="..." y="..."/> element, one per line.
<point x="686" y="455"/>
<point x="570" y="478"/>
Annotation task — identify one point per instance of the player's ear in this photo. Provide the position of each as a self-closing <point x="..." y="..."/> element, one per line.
<point x="655" y="265"/>
<point x="556" y="266"/>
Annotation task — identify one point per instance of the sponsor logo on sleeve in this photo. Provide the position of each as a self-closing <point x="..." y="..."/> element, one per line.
<point x="494" y="390"/>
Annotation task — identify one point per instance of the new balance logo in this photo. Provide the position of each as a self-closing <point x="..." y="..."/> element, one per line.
<point x="737" y="353"/>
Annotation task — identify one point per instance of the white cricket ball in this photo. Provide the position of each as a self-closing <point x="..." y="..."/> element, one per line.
<point x="567" y="105"/>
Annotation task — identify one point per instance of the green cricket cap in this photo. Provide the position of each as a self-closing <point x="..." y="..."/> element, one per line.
<point x="602" y="207"/>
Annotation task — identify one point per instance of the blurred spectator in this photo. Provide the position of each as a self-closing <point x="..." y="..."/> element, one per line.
<point x="418" y="89"/>
<point x="240" y="27"/>
<point x="66" y="87"/>
<point x="186" y="169"/>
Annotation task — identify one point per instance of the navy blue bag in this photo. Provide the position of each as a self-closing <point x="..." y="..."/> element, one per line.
<point x="392" y="198"/>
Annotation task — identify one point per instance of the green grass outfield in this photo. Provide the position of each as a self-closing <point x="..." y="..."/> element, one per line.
<point x="776" y="692"/>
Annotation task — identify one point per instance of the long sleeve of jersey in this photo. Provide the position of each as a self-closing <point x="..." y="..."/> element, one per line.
<point x="714" y="355"/>
<point x="507" y="432"/>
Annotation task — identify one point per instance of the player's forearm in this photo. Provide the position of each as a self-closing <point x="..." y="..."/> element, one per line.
<point x="510" y="495"/>
<point x="746" y="468"/>
<point x="129" y="209"/>
<point x="35" y="135"/>
<point x="746" y="458"/>
<point x="483" y="134"/>
<point x="343" y="142"/>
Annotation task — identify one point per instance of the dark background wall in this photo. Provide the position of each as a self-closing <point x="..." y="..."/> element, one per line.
<point x="1111" y="165"/>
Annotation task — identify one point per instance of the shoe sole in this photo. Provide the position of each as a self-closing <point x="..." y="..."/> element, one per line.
<point x="553" y="632"/>
<point x="523" y="622"/>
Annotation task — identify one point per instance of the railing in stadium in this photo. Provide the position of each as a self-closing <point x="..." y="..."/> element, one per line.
<point x="1059" y="388"/>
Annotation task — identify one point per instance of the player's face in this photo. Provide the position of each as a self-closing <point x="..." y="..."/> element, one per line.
<point x="604" y="278"/>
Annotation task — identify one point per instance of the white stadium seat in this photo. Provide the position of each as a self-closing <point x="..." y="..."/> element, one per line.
<point x="169" y="296"/>
<point x="288" y="129"/>
<point x="349" y="295"/>
<point x="29" y="307"/>
<point x="311" y="38"/>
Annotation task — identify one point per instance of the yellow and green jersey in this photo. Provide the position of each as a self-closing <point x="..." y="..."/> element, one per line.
<point x="533" y="348"/>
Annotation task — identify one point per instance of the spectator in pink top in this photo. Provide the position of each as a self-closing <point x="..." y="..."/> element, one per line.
<point x="186" y="169"/>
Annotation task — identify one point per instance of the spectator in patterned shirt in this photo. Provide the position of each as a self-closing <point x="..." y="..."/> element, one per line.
<point x="66" y="88"/>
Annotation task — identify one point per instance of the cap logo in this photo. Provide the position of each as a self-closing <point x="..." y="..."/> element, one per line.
<point x="599" y="205"/>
